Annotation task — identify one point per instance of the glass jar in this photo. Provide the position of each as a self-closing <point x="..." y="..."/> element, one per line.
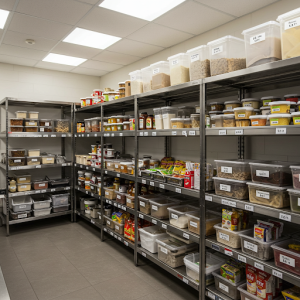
<point x="142" y="120"/>
<point x="87" y="185"/>
<point x="126" y="125"/>
<point x="114" y="127"/>
<point x="119" y="119"/>
<point x="116" y="184"/>
<point x="149" y="122"/>
<point x="119" y="126"/>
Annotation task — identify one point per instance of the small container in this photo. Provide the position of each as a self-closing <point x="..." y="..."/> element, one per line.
<point x="42" y="212"/>
<point x="228" y="111"/>
<point x="294" y="200"/>
<point x="46" y="122"/>
<point x="187" y="122"/>
<point x="21" y="114"/>
<point x="110" y="193"/>
<point x="265" y="110"/>
<point x="16" y="121"/>
<point x="217" y="106"/>
<point x="34" y="160"/>
<point x="16" y="161"/>
<point x="96" y="124"/>
<point x="114" y="126"/>
<point x="126" y="125"/>
<point x="177" y="215"/>
<point x="23" y="177"/>
<point x="121" y="84"/>
<point x="251" y="102"/>
<point x="110" y="152"/>
<point x="147" y="79"/>
<point x="89" y="101"/>
<point x="31" y="129"/>
<point x="280" y="107"/>
<point x="296" y="118"/>
<point x="179" y="68"/>
<point x="168" y="113"/>
<point x="243" y="113"/>
<point x="48" y="159"/>
<point x="136" y="82"/>
<point x="40" y="184"/>
<point x="34" y="152"/>
<point x="258" y="120"/>
<point x="31" y="122"/>
<point x="242" y="123"/>
<point x="46" y="129"/>
<point x="33" y="114"/>
<point x="21" y="204"/>
<point x="232" y="104"/>
<point x="124" y="167"/>
<point x="279" y="119"/>
<point x="130" y="201"/>
<point x="195" y="118"/>
<point x="217" y="121"/>
<point x="177" y="123"/>
<point x="119" y="228"/>
<point x="149" y="236"/>
<point x="17" y="152"/>
<point x="120" y="197"/>
<point x="119" y="127"/>
<point x="23" y="187"/>
<point x="296" y="176"/>
<point x="62" y="125"/>
<point x="16" y="128"/>
<point x="294" y="98"/>
<point x="159" y="207"/>
<point x="160" y="75"/>
<point x="88" y="125"/>
<point x="236" y="189"/>
<point x="268" y="99"/>
<point x="109" y="222"/>
<point x="228" y="120"/>
<point x="20" y="215"/>
<point x="119" y="119"/>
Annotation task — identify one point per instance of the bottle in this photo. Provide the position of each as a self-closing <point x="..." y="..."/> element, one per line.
<point x="149" y="122"/>
<point x="116" y="184"/>
<point x="142" y="120"/>
<point x="12" y="186"/>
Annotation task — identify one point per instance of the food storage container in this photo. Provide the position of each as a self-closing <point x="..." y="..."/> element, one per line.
<point x="160" y="75"/>
<point x="21" y="114"/>
<point x="286" y="255"/>
<point x="40" y="184"/>
<point x="216" y="106"/>
<point x="20" y="215"/>
<point x="172" y="251"/>
<point x="48" y="159"/>
<point x="41" y="201"/>
<point x="280" y="107"/>
<point x="242" y="123"/>
<point x="31" y="128"/>
<point x="16" y="128"/>
<point x="242" y="113"/>
<point x="263" y="44"/>
<point x="159" y="207"/>
<point x="24" y="187"/>
<point x="213" y="263"/>
<point x="119" y="228"/>
<point x="120" y="197"/>
<point x="147" y="79"/>
<point x="293" y="107"/>
<point x="236" y="189"/>
<point x="110" y="193"/>
<point x="226" y="54"/>
<point x="177" y="123"/>
<point x="130" y="201"/>
<point x="296" y="118"/>
<point x="168" y="113"/>
<point x="96" y="124"/>
<point x="23" y="177"/>
<point x="266" y="100"/>
<point x="245" y="295"/>
<point x="16" y="121"/>
<point x="126" y="125"/>
<point x="109" y="222"/>
<point x="119" y="127"/>
<point x="179" y="68"/>
<point x="46" y="129"/>
<point x="46" y="122"/>
<point x="279" y="119"/>
<point x="31" y="122"/>
<point x="177" y="215"/>
<point x="144" y="204"/>
<point x="258" y="120"/>
<point x="274" y="172"/>
<point x="293" y="98"/>
<point x="62" y="125"/>
<point x="294" y="200"/>
<point x="217" y="121"/>
<point x="195" y="118"/>
<point x="34" y="152"/>
<point x="228" y="120"/>
<point x="110" y="164"/>
<point x="296" y="176"/>
<point x="268" y="195"/>
<point x="232" y="104"/>
<point x="187" y="122"/>
<point x="21" y="204"/>
<point x="88" y="125"/>
<point x="136" y="82"/>
<point x="42" y="212"/>
<point x="16" y="161"/>
<point x="56" y="209"/>
<point x="175" y="180"/>
<point x="251" y="102"/>
<point x="149" y="236"/>
<point x="185" y="111"/>
<point x="265" y="110"/>
<point x="199" y="62"/>
<point x="124" y="166"/>
<point x="17" y="152"/>
<point x="33" y="114"/>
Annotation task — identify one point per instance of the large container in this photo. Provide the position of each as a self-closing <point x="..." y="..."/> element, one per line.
<point x="23" y="187"/>
<point x="62" y="125"/>
<point x="226" y="54"/>
<point x="229" y="237"/>
<point x="160" y="75"/>
<point x="199" y="62"/>
<point x="172" y="251"/>
<point x="20" y="204"/>
<point x="109" y="222"/>
<point x="290" y="33"/>
<point x="40" y="184"/>
<point x="168" y="113"/>
<point x="110" y="193"/>
<point x="136" y="82"/>
<point x="41" y="201"/>
<point x="147" y="79"/>
<point x="42" y="212"/>
<point x="177" y="215"/>
<point x="263" y="43"/>
<point x="296" y="176"/>
<point x="268" y="195"/>
<point x="236" y="189"/>
<point x="60" y="208"/>
<point x="158" y="118"/>
<point x="16" y="161"/>
<point x="20" y="215"/>
<point x="294" y="200"/>
<point x="60" y="199"/>
<point x="119" y="228"/>
<point x="149" y="235"/>
<point x="179" y="68"/>
<point x="159" y="207"/>
<point x="144" y="203"/>
<point x="23" y="177"/>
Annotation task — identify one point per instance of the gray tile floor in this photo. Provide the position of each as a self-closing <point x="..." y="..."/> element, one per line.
<point x="57" y="259"/>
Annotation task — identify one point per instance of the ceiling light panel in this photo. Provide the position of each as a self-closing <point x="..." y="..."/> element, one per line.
<point x="64" y="59"/>
<point x="143" y="9"/>
<point x="90" y="38"/>
<point x="3" y="17"/>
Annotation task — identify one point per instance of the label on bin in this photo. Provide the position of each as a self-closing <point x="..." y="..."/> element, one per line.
<point x="223" y="287"/>
<point x="226" y="170"/>
<point x="42" y="184"/>
<point x="22" y="206"/>
<point x="194" y="57"/>
<point x="258" y="38"/>
<point x="142" y="204"/>
<point x="17" y="160"/>
<point x="155" y="71"/>
<point x="277" y="273"/>
<point x="217" y="50"/>
<point x="22" y="179"/>
<point x="250" y="246"/>
<point x="287" y="260"/>
<point x="193" y="224"/>
<point x="117" y="227"/>
<point x="164" y="250"/>
<point x="285" y="217"/>
<point x="173" y="216"/>
<point x="224" y="236"/>
<point x="225" y="187"/>
<point x="211" y="295"/>
<point x="259" y="266"/>
<point x="292" y="23"/>
<point x="154" y="207"/>
<point x="264" y="195"/>
<point x="241" y="115"/>
<point x="174" y="62"/>
<point x="21" y="216"/>
<point x="262" y="173"/>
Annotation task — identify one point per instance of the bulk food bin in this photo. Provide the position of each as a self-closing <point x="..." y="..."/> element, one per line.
<point x="130" y="201"/>
<point x="21" y="204"/>
<point x="280" y="107"/>
<point x="160" y="75"/>
<point x="41" y="201"/>
<point x="226" y="54"/>
<point x="294" y="200"/>
<point x="62" y="125"/>
<point x="168" y="113"/>
<point x="17" y="152"/>
<point x="60" y="208"/>
<point x="245" y="295"/>
<point x="23" y="187"/>
<point x="60" y="199"/>
<point x="230" y="238"/>
<point x="20" y="215"/>
<point x="236" y="189"/>
<point x="296" y="176"/>
<point x="159" y="207"/>
<point x="119" y="228"/>
<point x="16" y="128"/>
<point x="23" y="177"/>
<point x="199" y="62"/>
<point x="179" y="68"/>
<point x="177" y="215"/>
<point x="40" y="184"/>
<point x="287" y="255"/>
<point x="144" y="204"/>
<point x="109" y="222"/>
<point x="16" y="121"/>
<point x="263" y="44"/>
<point x="147" y="79"/>
<point x="242" y="113"/>
<point x="172" y="251"/>
<point x="268" y="195"/>
<point x="42" y="212"/>
<point x="21" y="114"/>
<point x="136" y="82"/>
<point x="232" y="104"/>
<point x="16" y="161"/>
<point x="149" y="235"/>
<point x="121" y="197"/>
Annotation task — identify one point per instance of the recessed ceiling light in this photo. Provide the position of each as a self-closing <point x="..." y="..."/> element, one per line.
<point x="3" y="17"/>
<point x="89" y="38"/>
<point x="64" y="59"/>
<point x="143" y="9"/>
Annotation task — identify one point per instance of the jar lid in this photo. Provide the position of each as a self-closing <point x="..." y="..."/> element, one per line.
<point x="250" y="99"/>
<point x="279" y="103"/>
<point x="270" y="98"/>
<point x="265" y="107"/>
<point x="187" y="119"/>
<point x="33" y="112"/>
<point x="292" y="96"/>
<point x="273" y="116"/>
<point x="229" y="116"/>
<point x="232" y="102"/>
<point x="126" y="122"/>
<point x="297" y="113"/>
<point x="216" y="112"/>
<point x="122" y="82"/>
<point x="227" y="110"/>
<point x="258" y="117"/>
<point x="215" y="103"/>
<point x="243" y="108"/>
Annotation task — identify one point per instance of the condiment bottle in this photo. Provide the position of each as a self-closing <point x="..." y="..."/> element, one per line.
<point x="116" y="184"/>
<point x="12" y="186"/>
<point x="131" y="188"/>
<point x="149" y="122"/>
<point x="142" y="120"/>
<point x="144" y="190"/>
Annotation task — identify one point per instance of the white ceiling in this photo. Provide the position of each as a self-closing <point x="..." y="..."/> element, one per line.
<point x="48" y="22"/>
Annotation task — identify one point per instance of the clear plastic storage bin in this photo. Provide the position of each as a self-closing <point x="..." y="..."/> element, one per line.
<point x="179" y="68"/>
<point x="168" y="113"/>
<point x="21" y="204"/>
<point x="226" y="54"/>
<point x="121" y="197"/>
<point x="60" y="208"/>
<point x="109" y="222"/>
<point x="136" y="82"/>
<point x="110" y="193"/>
<point x="41" y="201"/>
<point x="263" y="43"/>
<point x="60" y="199"/>
<point x="160" y="75"/>
<point x="296" y="176"/>
<point x="159" y="207"/>
<point x="199" y="62"/>
<point x="42" y="212"/>
<point x="23" y="187"/>
<point x="177" y="215"/>
<point x="144" y="203"/>
<point x="236" y="189"/>
<point x="147" y="79"/>
<point x="20" y="215"/>
<point x="23" y="177"/>
<point x="62" y="125"/>
<point x="119" y="228"/>
<point x="130" y="201"/>
<point x="149" y="235"/>
<point x="16" y="161"/>
<point x="17" y="152"/>
<point x="294" y="200"/>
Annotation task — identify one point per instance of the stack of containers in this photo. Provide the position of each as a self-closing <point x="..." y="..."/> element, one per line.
<point x="179" y="68"/>
<point x="243" y="114"/>
<point x="41" y="205"/>
<point x="280" y="113"/>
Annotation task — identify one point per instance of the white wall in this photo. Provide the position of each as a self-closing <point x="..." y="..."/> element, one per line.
<point x="27" y="82"/>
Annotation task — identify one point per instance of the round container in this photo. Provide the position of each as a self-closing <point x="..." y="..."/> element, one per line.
<point x="216" y="106"/>
<point x="89" y="101"/>
<point x="112" y="96"/>
<point x="177" y="123"/>
<point x="119" y="126"/>
<point x="279" y="119"/>
<point x="93" y="155"/>
<point x="232" y="104"/>
<point x="94" y="149"/>
<point x="88" y="205"/>
<point x="214" y="113"/>
<point x="107" y="127"/>
<point x="266" y="100"/>
<point x="119" y="119"/>
<point x="296" y="118"/>
<point x="187" y="122"/>
<point x="195" y="118"/>
<point x="126" y="125"/>
<point x="242" y="123"/>
<point x="292" y="97"/>
<point x="228" y="120"/>
<point x="256" y="111"/>
<point x="88" y="176"/>
<point x="228" y="111"/>
<point x="280" y="107"/>
<point x="258" y="120"/>
<point x="122" y="84"/>
<point x="110" y="152"/>
<point x="112" y="119"/>
<point x="242" y="113"/>
<point x="217" y="121"/>
<point x="81" y="175"/>
<point x="154" y="163"/>
<point x="265" y="110"/>
<point x="251" y="102"/>
<point x="114" y="127"/>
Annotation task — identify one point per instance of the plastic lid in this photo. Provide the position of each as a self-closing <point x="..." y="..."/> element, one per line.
<point x="217" y="117"/>
<point x="23" y="183"/>
<point x="45" y="119"/>
<point x="34" y="112"/>
<point x="228" y="110"/>
<point x="235" y="161"/>
<point x="261" y="25"/>
<point x="272" y="187"/>
<point x="273" y="116"/>
<point x="224" y="38"/>
<point x="159" y="62"/>
<point x="196" y="48"/>
<point x="169" y="107"/>
<point x="216" y="112"/>
<point x="270" y="98"/>
<point x="289" y="14"/>
<point x="21" y="111"/>
<point x="147" y="68"/>
<point x="126" y="122"/>
<point x="216" y="103"/>
<point x="279" y="103"/>
<point x="34" y="150"/>
<point x="134" y="72"/>
<point x="292" y="96"/>
<point x="258" y="117"/>
<point x="243" y="108"/>
<point x="176" y="119"/>
<point x="219" y="226"/>
<point x="122" y="82"/>
<point x="16" y="119"/>
<point x="228" y="116"/>
<point x="293" y="191"/>
<point x="232" y="102"/>
<point x="297" y="113"/>
<point x="176" y="55"/>
<point x="230" y="180"/>
<point x="265" y="107"/>
<point x="276" y="164"/>
<point x="195" y="115"/>
<point x="250" y="99"/>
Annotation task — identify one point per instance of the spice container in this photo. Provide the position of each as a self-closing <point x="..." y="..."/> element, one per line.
<point x="228" y="120"/>
<point x="179" y="68"/>
<point x="48" y="159"/>
<point x="216" y="106"/>
<point x="242" y="113"/>
<point x="110" y="193"/>
<point x="158" y="118"/>
<point x="168" y="113"/>
<point x="258" y="120"/>
<point x="199" y="62"/>
<point x="34" y="152"/>
<point x="31" y="129"/>
<point x="16" y="121"/>
<point x="232" y="104"/>
<point x="177" y="123"/>
<point x="46" y="129"/>
<point x="236" y="189"/>
<point x="23" y="187"/>
<point x="149" y="236"/>
<point x="292" y="98"/>
<point x="280" y="107"/>
<point x="242" y="123"/>
<point x="227" y="54"/>
<point x="136" y="82"/>
<point x="279" y="119"/>
<point x="296" y="176"/>
<point x="251" y="102"/>
<point x="96" y="124"/>
<point x="119" y="127"/>
<point x="18" y="152"/>
<point x="21" y="114"/>
<point x="160" y="75"/>
<point x="294" y="200"/>
<point x="268" y="99"/>
<point x="195" y="118"/>
<point x="177" y="215"/>
<point x="217" y="121"/>
<point x="40" y="184"/>
<point x="23" y="177"/>
<point x="61" y="125"/>
<point x="238" y="169"/>
<point x="147" y="79"/>
<point x="159" y="207"/>
<point x="265" y="110"/>
<point x="15" y="128"/>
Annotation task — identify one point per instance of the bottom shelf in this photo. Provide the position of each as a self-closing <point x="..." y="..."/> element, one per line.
<point x="213" y="293"/>
<point x="87" y="217"/>
<point x="118" y="237"/>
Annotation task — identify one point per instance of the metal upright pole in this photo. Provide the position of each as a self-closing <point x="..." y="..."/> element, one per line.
<point x="241" y="140"/>
<point x="102" y="171"/>
<point x="6" y="168"/>
<point x="73" y="208"/>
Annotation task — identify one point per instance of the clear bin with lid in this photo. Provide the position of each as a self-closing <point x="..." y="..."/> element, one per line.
<point x="147" y="79"/>
<point x="149" y="235"/>
<point x="232" y="104"/>
<point x="31" y="128"/>
<point x="159" y="207"/>
<point x="109" y="222"/>
<point x="296" y="176"/>
<point x="245" y="295"/>
<point x="168" y="113"/>
<point x="20" y="204"/>
<point x="232" y="188"/>
<point x="279" y="119"/>
<point x="60" y="199"/>
<point x="226" y="54"/>
<point x="263" y="44"/>
<point x="42" y="212"/>
<point x="23" y="177"/>
<point x="33" y="114"/>
<point x="177" y="215"/>
<point x="46" y="129"/>
<point x="199" y="62"/>
<point x="16" y="128"/>
<point x="31" y="122"/>
<point x="179" y="68"/>
<point x="41" y="201"/>
<point x="242" y="113"/>
<point x="96" y="124"/>
<point x="88" y="125"/>
<point x="160" y="75"/>
<point x="172" y="251"/>
<point x="34" y="160"/>
<point x="21" y="114"/>
<point x="121" y="197"/>
<point x="16" y="161"/>
<point x="144" y="204"/>
<point x="290" y="33"/>
<point x="119" y="228"/>
<point x="16" y="152"/>
<point x="62" y="125"/>
<point x="45" y="122"/>
<point x="130" y="201"/>
<point x="271" y="195"/>
<point x="294" y="200"/>
<point x="185" y="111"/>
<point x="40" y="184"/>
<point x="228" y="120"/>
<point x="217" y="121"/>
<point x="158" y="118"/>
<point x="110" y="193"/>
<point x="16" y="121"/>
<point x="48" y="159"/>
<point x="23" y="187"/>
<point x="136" y="82"/>
<point x="177" y="123"/>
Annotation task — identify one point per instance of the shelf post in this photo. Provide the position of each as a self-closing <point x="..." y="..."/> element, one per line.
<point x="72" y="191"/>
<point x="241" y="141"/>
<point x="102" y="171"/>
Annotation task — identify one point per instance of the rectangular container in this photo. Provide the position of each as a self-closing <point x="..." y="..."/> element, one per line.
<point x="160" y="75"/>
<point x="245" y="295"/>
<point x="42" y="212"/>
<point x="23" y="177"/>
<point x="60" y="199"/>
<point x="20" y="215"/>
<point x="18" y="152"/>
<point x="149" y="235"/>
<point x="294" y="200"/>
<point x="21" y="204"/>
<point x="120" y="197"/>
<point x="62" y="125"/>
<point x="33" y="114"/>
<point x="48" y="159"/>
<point x="179" y="68"/>
<point x="236" y="189"/>
<point x="146" y="174"/>
<point x="46" y="129"/>
<point x="31" y="128"/>
<point x="40" y="184"/>
<point x="130" y="201"/>
<point x="285" y="258"/>
<point x="159" y="207"/>
<point x="23" y="187"/>
<point x="31" y="161"/>
<point x="199" y="62"/>
<point x="147" y="79"/>
<point x="230" y="238"/>
<point x="31" y="122"/>
<point x="144" y="203"/>
<point x="34" y="152"/>
<point x="21" y="114"/>
<point x="159" y="177"/>
<point x="296" y="176"/>
<point x="226" y="287"/>
<point x="136" y="82"/>
<point x="110" y="164"/>
<point x="46" y="122"/>
<point x="109" y="222"/>
<point x="177" y="215"/>
<point x="119" y="228"/>
<point x="41" y="201"/>
<point x="56" y="209"/>
<point x="16" y="121"/>
<point x="268" y="195"/>
<point x="16" y="161"/>
<point x="16" y="128"/>
<point x="175" y="180"/>
<point x="110" y="193"/>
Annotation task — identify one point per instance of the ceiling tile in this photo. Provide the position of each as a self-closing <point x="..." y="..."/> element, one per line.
<point x="111" y="22"/>
<point x="22" y="52"/>
<point x="91" y="72"/>
<point x="17" y="60"/>
<point x="117" y="58"/>
<point x="18" y="39"/>
<point x="39" y="27"/>
<point x="99" y="65"/>
<point x="193" y="18"/>
<point x="237" y="7"/>
<point x="75" y="50"/>
<point x="159" y="35"/>
<point x="66" y="11"/>
<point x="7" y="4"/>
<point x="52" y="66"/>
<point x="134" y="48"/>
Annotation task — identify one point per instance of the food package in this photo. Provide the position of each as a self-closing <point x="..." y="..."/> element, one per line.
<point x="292" y="293"/>
<point x="233" y="274"/>
<point x="230" y="219"/>
<point x="243" y="218"/>
<point x="251" y="274"/>
<point x="179" y="167"/>
<point x="265" y="285"/>
<point x="278" y="225"/>
<point x="270" y="233"/>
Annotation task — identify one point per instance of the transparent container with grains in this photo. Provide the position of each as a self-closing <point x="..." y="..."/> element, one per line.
<point x="179" y="68"/>
<point x="136" y="82"/>
<point x="147" y="79"/>
<point x="160" y="75"/>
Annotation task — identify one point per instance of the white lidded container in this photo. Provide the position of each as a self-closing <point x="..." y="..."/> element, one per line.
<point x="147" y="79"/>
<point x="179" y="68"/>
<point x="290" y="33"/>
<point x="168" y="113"/>
<point x="160" y="75"/>
<point x="177" y="215"/>
<point x="149" y="235"/>
<point x="158" y="118"/>
<point x="136" y="82"/>
<point x="263" y="43"/>
<point x="199" y="62"/>
<point x="226" y="54"/>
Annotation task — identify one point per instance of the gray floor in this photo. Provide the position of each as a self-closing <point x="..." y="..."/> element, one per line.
<point x="56" y="259"/>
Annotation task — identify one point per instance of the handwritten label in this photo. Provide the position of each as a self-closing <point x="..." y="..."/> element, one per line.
<point x="262" y="173"/>
<point x="257" y="38"/>
<point x="174" y="132"/>
<point x="145" y="133"/>
<point x="141" y="216"/>
<point x="250" y="246"/>
<point x="285" y="217"/>
<point x="215" y="247"/>
<point x="277" y="274"/>
<point x="154" y="221"/>
<point x="211" y="295"/>
<point x="227" y="170"/>
<point x="208" y="198"/>
<point x="144" y="254"/>
<point x="222" y="132"/>
<point x="192" y="132"/>
<point x="264" y="195"/>
<point x="217" y="50"/>
<point x="292" y="23"/>
<point x="280" y="130"/>
<point x="144" y="181"/>
<point x="287" y="260"/>
<point x="259" y="266"/>
<point x="141" y="133"/>
<point x="239" y="131"/>
<point x="249" y="207"/>
<point x="185" y="280"/>
<point x="242" y="259"/>
<point x="223" y="287"/>
<point x="224" y="236"/>
<point x="152" y="183"/>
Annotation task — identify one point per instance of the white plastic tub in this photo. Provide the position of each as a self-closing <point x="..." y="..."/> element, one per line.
<point x="42" y="212"/>
<point x="41" y="201"/>
<point x="177" y="215"/>
<point x="20" y="204"/>
<point x="136" y="82"/>
<point x="179" y="68"/>
<point x="119" y="228"/>
<point x="149" y="235"/>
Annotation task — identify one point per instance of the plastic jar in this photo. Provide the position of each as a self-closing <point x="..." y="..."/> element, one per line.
<point x="122" y="92"/>
<point x="256" y="112"/>
<point x="279" y="119"/>
<point x="87" y="185"/>
<point x="110" y="152"/>
<point x="81" y="175"/>
<point x="265" y="110"/>
<point x="293" y="107"/>
<point x="296" y="117"/>
<point x="280" y="107"/>
<point x="228" y="111"/>
<point x="266" y="100"/>
<point x="292" y="97"/>
<point x="177" y="123"/>
<point x="82" y="102"/>
<point x="150" y="122"/>
<point x="251" y="102"/>
<point x="168" y="113"/>
<point x="216" y="106"/>
<point x="114" y="127"/>
<point x="112" y="96"/>
<point x="132" y="123"/>
<point x="187" y="122"/>
<point x="142" y="120"/>
<point x="112" y="119"/>
<point x="232" y="104"/>
<point x="119" y="119"/>
<point x="195" y="118"/>
<point x="258" y="120"/>
<point x="242" y="113"/>
<point x="158" y="118"/>
<point x="127" y="88"/>
<point x="126" y="125"/>
<point x="228" y="120"/>
<point x="88" y="101"/>
<point x="119" y="126"/>
<point x="242" y="123"/>
<point x="88" y="176"/>
<point x="218" y="120"/>
<point x="107" y="127"/>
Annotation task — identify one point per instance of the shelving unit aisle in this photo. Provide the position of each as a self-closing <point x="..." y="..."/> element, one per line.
<point x="24" y="139"/>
